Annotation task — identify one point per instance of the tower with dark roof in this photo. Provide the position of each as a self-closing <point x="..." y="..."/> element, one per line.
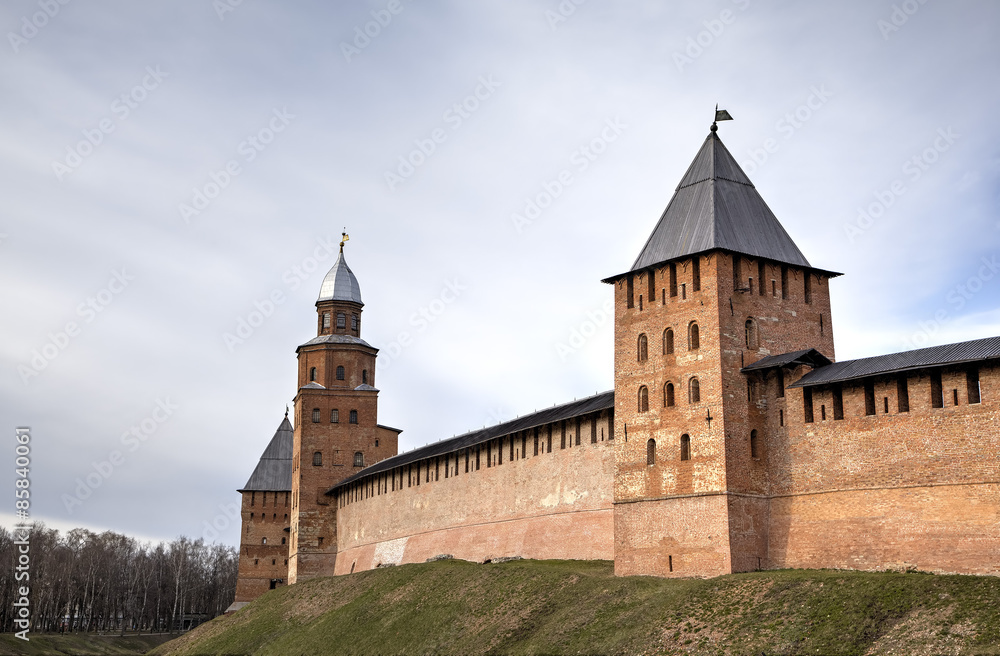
<point x="718" y="286"/>
<point x="336" y="421"/>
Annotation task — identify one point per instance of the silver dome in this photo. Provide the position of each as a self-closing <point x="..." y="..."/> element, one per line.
<point x="340" y="283"/>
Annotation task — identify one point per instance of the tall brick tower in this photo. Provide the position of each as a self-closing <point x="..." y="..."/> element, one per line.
<point x="336" y="427"/>
<point x="718" y="286"/>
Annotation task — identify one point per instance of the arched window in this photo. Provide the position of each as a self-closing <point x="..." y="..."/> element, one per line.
<point x="341" y="320"/>
<point x="668" y="341"/>
<point x="750" y="330"/>
<point x="651" y="452"/>
<point x="694" y="391"/>
<point x="753" y="444"/>
<point x="282" y="540"/>
<point x="318" y="459"/>
<point x="693" y="341"/>
<point x="335" y="416"/>
<point x="354" y="416"/>
<point x="685" y="447"/>
<point x="263" y="540"/>
<point x="315" y="415"/>
<point x="668" y="395"/>
<point x="340" y="373"/>
<point x="359" y="459"/>
<point x="643" y="399"/>
<point x="364" y="376"/>
<point x="312" y="373"/>
<point x="326" y="319"/>
<point x="643" y="348"/>
<point x="354" y="322"/>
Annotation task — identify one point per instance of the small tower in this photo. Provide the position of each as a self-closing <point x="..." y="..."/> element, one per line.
<point x="718" y="286"/>
<point x="336" y="427"/>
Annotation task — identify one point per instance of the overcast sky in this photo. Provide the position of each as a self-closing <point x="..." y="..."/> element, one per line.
<point x="170" y="168"/>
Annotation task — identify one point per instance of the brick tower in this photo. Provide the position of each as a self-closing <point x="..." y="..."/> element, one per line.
<point x="336" y="427"/>
<point x="718" y="286"/>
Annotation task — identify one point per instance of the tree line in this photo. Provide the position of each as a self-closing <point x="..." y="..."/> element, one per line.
<point x="86" y="581"/>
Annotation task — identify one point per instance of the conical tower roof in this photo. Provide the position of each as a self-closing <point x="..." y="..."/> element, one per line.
<point x="274" y="470"/>
<point x="340" y="283"/>
<point x="715" y="206"/>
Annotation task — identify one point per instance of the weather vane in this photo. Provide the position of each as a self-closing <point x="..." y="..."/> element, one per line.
<point x="345" y="238"/>
<point x="720" y="115"/>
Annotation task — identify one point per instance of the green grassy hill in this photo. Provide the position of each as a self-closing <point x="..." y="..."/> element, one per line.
<point x="78" y="644"/>
<point x="575" y="607"/>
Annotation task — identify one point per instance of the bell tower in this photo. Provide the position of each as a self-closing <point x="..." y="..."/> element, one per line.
<point x="336" y="428"/>
<point x="719" y="286"/>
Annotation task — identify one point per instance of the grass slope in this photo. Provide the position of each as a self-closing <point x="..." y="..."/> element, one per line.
<point x="579" y="607"/>
<point x="78" y="644"/>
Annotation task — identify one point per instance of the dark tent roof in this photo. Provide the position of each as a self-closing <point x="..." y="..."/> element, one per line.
<point x="274" y="470"/>
<point x="935" y="356"/>
<point x="715" y="206"/>
<point x="811" y="357"/>
<point x="596" y="403"/>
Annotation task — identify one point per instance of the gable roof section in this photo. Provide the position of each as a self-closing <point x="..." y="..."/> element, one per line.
<point x="274" y="469"/>
<point x="715" y="206"/>
<point x="598" y="402"/>
<point x="935" y="356"/>
<point x="811" y="357"/>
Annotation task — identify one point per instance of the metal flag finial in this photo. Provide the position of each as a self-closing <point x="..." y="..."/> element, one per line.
<point x="720" y="115"/>
<point x="344" y="238"/>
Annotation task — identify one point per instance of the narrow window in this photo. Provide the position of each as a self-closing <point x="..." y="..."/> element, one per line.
<point x="750" y="334"/>
<point x="341" y="320"/>
<point x="577" y="438"/>
<point x="781" y="382"/>
<point x="359" y="460"/>
<point x="781" y="417"/>
<point x="354" y="322"/>
<point x="673" y="280"/>
<point x="838" y="403"/>
<point x="643" y="348"/>
<point x="326" y="319"/>
<point x="651" y="452"/>
<point x="885" y="399"/>
<point x="937" y="398"/>
<point x="902" y="395"/>
<point x="340" y="373"/>
<point x="562" y="429"/>
<point x="807" y="286"/>
<point x="651" y="295"/>
<point x="312" y="373"/>
<point x="318" y="459"/>
<point x="751" y="391"/>
<point x="972" y="386"/>
<point x="685" y="447"/>
<point x="364" y="376"/>
<point x="548" y="438"/>
<point x="684" y="293"/>
<point x="954" y="394"/>
<point x="807" y="404"/>
<point x="753" y="443"/>
<point x="670" y="562"/>
<point x="784" y="282"/>
<point x="536" y="441"/>
<point x="822" y="412"/>
<point x="643" y="399"/>
<point x="354" y="417"/>
<point x="693" y="337"/>
<point x="477" y="458"/>
<point x="315" y="415"/>
<point x="629" y="293"/>
<point x="640" y="302"/>
<point x="869" y="397"/>
<point x="668" y="395"/>
<point x="774" y="287"/>
<point x="668" y="341"/>
<point x="760" y="277"/>
<point x="593" y="429"/>
<point x="376" y="441"/>
<point x="335" y="416"/>
<point x="696" y="274"/>
<point x="737" y="274"/>
<point x="694" y="391"/>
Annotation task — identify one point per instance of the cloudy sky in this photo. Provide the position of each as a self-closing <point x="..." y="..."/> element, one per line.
<point x="175" y="177"/>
